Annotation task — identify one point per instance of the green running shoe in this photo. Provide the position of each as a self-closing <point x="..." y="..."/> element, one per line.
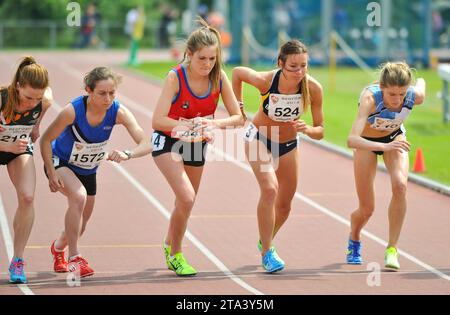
<point x="167" y="250"/>
<point x="181" y="266"/>
<point x="391" y="258"/>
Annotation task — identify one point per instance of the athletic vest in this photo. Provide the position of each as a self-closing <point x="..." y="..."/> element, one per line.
<point x="188" y="105"/>
<point x="81" y="145"/>
<point x="382" y="118"/>
<point x="281" y="107"/>
<point x="27" y="118"/>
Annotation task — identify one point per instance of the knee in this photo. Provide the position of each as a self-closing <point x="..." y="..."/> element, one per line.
<point x="78" y="201"/>
<point x="366" y="211"/>
<point x="399" y="188"/>
<point x="269" y="192"/>
<point x="186" y="201"/>
<point x="26" y="199"/>
<point x="283" y="210"/>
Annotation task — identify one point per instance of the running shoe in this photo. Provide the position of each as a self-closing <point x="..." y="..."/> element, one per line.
<point x="181" y="267"/>
<point x="59" y="261"/>
<point x="271" y="262"/>
<point x="391" y="258"/>
<point x="16" y="272"/>
<point x="167" y="249"/>
<point x="80" y="266"/>
<point x="354" y="252"/>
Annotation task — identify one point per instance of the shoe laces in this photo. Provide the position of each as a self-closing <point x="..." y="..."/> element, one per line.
<point x="59" y="257"/>
<point x="80" y="261"/>
<point x="178" y="261"/>
<point x="17" y="267"/>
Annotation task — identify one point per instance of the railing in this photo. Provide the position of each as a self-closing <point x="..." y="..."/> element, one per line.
<point x="444" y="73"/>
<point x="56" y="34"/>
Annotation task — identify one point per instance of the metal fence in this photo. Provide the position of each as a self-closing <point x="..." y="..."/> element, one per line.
<point x="56" y="34"/>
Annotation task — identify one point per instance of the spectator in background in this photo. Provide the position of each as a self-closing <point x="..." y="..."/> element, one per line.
<point x="134" y="27"/>
<point x="438" y="28"/>
<point x="89" y="22"/>
<point x="167" y="26"/>
<point x="341" y="21"/>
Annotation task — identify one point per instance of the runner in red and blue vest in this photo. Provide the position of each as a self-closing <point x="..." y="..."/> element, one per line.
<point x="183" y="123"/>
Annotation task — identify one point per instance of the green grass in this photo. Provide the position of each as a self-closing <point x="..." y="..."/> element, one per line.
<point x="425" y="128"/>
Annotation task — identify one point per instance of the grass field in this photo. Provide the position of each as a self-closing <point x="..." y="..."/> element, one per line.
<point x="425" y="128"/>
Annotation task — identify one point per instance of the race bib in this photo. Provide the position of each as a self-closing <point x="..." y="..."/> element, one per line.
<point x="384" y="124"/>
<point x="14" y="133"/>
<point x="285" y="107"/>
<point x="87" y="155"/>
<point x="158" y="141"/>
<point x="250" y="132"/>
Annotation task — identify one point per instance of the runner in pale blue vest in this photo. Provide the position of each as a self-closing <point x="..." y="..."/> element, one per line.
<point x="378" y="130"/>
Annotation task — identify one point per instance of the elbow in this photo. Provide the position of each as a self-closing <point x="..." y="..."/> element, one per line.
<point x="155" y="124"/>
<point x="351" y="142"/>
<point x="241" y="121"/>
<point x="420" y="98"/>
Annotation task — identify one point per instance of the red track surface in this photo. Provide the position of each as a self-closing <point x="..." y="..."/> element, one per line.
<point x="123" y="239"/>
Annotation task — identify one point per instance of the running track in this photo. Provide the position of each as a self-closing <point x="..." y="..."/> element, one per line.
<point x="123" y="239"/>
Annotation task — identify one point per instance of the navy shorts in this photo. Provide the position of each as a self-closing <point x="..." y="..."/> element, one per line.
<point x="275" y="148"/>
<point x="89" y="181"/>
<point x="192" y="153"/>
<point x="387" y="139"/>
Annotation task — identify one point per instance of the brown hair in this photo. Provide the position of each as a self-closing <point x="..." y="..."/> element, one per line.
<point x="28" y="73"/>
<point x="206" y="36"/>
<point x="100" y="74"/>
<point x="296" y="47"/>
<point x="395" y="74"/>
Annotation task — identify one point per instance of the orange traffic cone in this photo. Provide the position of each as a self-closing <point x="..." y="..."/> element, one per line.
<point x="419" y="163"/>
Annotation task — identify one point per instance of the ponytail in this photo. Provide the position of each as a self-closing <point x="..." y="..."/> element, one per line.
<point x="28" y="73"/>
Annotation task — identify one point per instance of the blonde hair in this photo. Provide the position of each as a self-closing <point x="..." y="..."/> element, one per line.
<point x="28" y="73"/>
<point x="395" y="74"/>
<point x="100" y="74"/>
<point x="206" y="36"/>
<point x="296" y="47"/>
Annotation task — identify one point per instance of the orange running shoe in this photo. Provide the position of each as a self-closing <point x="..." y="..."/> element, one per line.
<point x="81" y="266"/>
<point x="59" y="262"/>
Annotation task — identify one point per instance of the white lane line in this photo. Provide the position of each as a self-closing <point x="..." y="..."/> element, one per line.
<point x="213" y="258"/>
<point x="299" y="196"/>
<point x="9" y="245"/>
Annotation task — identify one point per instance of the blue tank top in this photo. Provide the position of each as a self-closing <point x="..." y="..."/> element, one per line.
<point x="81" y="131"/>
<point x="382" y="118"/>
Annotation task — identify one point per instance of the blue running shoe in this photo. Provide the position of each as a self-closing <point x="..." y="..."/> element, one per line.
<point x="16" y="272"/>
<point x="271" y="262"/>
<point x="354" y="253"/>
